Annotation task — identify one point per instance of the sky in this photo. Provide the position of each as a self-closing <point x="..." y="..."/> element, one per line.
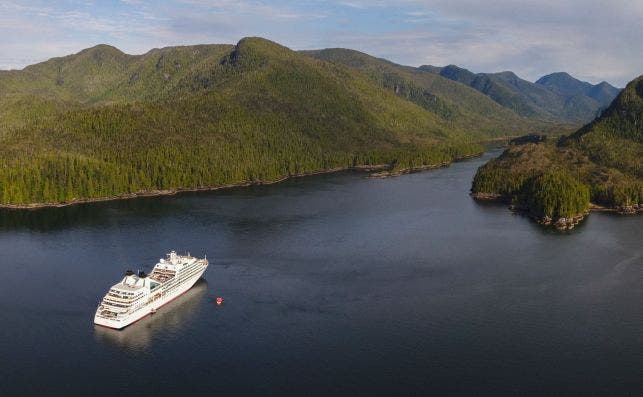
<point x="593" y="40"/>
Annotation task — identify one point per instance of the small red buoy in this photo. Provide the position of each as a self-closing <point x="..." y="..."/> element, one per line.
<point x="219" y="300"/>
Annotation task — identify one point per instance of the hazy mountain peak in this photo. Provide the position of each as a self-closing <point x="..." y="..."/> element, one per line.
<point x="507" y="74"/>
<point x="565" y="84"/>
<point x="556" y="75"/>
<point x="557" y="96"/>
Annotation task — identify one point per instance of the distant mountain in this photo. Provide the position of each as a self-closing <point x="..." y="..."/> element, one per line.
<point x="602" y="162"/>
<point x="556" y="97"/>
<point x="457" y="104"/>
<point x="604" y="92"/>
<point x="566" y="85"/>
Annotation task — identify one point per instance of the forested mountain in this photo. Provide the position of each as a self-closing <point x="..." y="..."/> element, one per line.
<point x="555" y="97"/>
<point x="103" y="74"/>
<point x="458" y="104"/>
<point x="101" y="123"/>
<point x="605" y="157"/>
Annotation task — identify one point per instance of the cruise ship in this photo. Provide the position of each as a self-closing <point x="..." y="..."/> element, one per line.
<point x="138" y="295"/>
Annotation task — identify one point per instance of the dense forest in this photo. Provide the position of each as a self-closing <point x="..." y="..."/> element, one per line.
<point x="456" y="103"/>
<point x="604" y="158"/>
<point x="101" y="123"/>
<point x="556" y="194"/>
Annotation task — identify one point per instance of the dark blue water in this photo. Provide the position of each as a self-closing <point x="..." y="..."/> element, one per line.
<point x="333" y="285"/>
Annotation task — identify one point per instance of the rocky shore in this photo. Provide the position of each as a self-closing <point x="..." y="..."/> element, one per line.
<point x="558" y="223"/>
<point x="632" y="209"/>
<point x="490" y="197"/>
<point x="398" y="172"/>
<point x="388" y="173"/>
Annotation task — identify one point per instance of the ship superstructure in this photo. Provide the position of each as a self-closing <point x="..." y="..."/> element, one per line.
<point x="138" y="295"/>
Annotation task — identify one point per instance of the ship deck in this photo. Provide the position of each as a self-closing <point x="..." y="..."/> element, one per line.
<point x="161" y="276"/>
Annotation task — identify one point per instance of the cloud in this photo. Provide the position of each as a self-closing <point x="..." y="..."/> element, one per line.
<point x="592" y="39"/>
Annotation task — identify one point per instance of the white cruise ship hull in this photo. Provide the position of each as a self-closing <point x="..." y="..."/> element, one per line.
<point x="155" y="302"/>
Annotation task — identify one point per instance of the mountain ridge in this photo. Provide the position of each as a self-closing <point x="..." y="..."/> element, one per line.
<point x="565" y="84"/>
<point x="455" y="102"/>
<point x="555" y="97"/>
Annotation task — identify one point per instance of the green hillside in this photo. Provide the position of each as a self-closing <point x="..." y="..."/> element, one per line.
<point x="615" y="140"/>
<point x="101" y="123"/>
<point x="104" y="74"/>
<point x="458" y="104"/>
<point x="605" y="156"/>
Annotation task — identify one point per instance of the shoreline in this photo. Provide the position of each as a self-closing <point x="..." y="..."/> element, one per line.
<point x="560" y="223"/>
<point x="171" y="192"/>
<point x="631" y="210"/>
<point x="391" y="173"/>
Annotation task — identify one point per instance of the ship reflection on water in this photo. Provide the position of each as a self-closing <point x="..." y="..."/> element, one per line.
<point x="170" y="319"/>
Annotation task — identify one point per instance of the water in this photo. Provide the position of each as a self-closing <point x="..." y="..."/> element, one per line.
<point x="333" y="284"/>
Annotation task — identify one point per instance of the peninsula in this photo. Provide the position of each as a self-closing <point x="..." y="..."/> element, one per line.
<point x="557" y="181"/>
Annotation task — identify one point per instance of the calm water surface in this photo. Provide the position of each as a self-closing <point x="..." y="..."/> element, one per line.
<point x="333" y="285"/>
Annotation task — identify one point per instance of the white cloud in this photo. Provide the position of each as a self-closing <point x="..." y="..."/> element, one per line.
<point x="591" y="39"/>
